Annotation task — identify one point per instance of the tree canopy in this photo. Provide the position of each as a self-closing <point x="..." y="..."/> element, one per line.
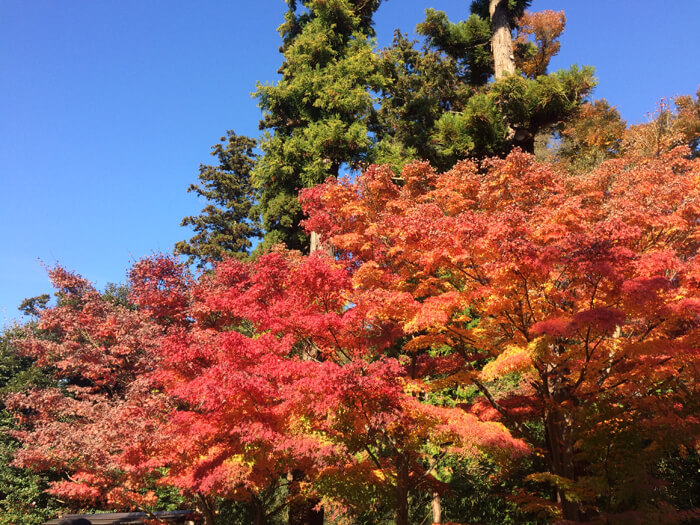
<point x="566" y="309"/>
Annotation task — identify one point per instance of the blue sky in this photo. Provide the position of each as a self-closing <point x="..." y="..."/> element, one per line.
<point x="109" y="107"/>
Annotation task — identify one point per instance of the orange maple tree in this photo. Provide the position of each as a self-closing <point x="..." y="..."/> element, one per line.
<point x="580" y="291"/>
<point x="545" y="28"/>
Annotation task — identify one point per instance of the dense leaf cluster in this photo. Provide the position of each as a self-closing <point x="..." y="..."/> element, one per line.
<point x="580" y="290"/>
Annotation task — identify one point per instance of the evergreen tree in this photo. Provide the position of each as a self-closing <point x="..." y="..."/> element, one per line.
<point x="227" y="224"/>
<point x="465" y="42"/>
<point x="423" y="115"/>
<point x="341" y="104"/>
<point x="422" y="86"/>
<point x="316" y="118"/>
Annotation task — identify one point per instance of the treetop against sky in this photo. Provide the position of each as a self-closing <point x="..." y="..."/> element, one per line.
<point x="109" y="108"/>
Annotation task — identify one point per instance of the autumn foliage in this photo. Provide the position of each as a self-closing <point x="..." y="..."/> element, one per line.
<point x="283" y="366"/>
<point x="497" y="328"/>
<point x="568" y="303"/>
<point x="583" y="290"/>
<point x="544" y="28"/>
<point x="102" y="407"/>
<point x="271" y="366"/>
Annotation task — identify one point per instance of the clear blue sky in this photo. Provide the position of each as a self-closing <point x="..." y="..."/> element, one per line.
<point x="108" y="107"/>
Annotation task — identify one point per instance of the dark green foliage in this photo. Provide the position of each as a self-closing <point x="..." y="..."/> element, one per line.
<point x="479" y="130"/>
<point x="227" y="225"/>
<point x="466" y="42"/>
<point x="479" y="491"/>
<point x="32" y="306"/>
<point x="680" y="479"/>
<point x="118" y="295"/>
<point x="300" y="12"/>
<point x="434" y="83"/>
<point x="17" y="372"/>
<point x="316" y="117"/>
<point x="22" y="496"/>
<point x="507" y="114"/>
<point x="534" y="104"/>
<point x="269" y="503"/>
<point x="438" y="106"/>
<point x="421" y="86"/>
<point x="339" y="104"/>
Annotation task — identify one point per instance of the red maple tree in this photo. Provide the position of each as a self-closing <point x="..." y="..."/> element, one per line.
<point x="285" y="367"/>
<point x="224" y="386"/>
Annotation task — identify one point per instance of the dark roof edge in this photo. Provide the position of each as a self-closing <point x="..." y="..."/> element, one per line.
<point x="124" y="518"/>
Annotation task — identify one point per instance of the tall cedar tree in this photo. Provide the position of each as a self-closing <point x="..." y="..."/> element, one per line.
<point x="316" y="117"/>
<point x="226" y="226"/>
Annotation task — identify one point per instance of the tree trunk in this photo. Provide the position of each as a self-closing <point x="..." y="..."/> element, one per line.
<point x="501" y="41"/>
<point x="301" y="509"/>
<point x="205" y="507"/>
<point x="524" y="139"/>
<point x="437" y="509"/>
<point x="504" y="65"/>
<point x="435" y="504"/>
<point x="559" y="433"/>
<point x="315" y="242"/>
<point x="259" y="515"/>
<point x="402" y="491"/>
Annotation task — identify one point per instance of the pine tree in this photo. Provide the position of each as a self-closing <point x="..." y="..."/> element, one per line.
<point x="424" y="116"/>
<point x="340" y="104"/>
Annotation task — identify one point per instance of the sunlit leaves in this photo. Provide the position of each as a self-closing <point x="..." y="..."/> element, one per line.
<point x="583" y="289"/>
